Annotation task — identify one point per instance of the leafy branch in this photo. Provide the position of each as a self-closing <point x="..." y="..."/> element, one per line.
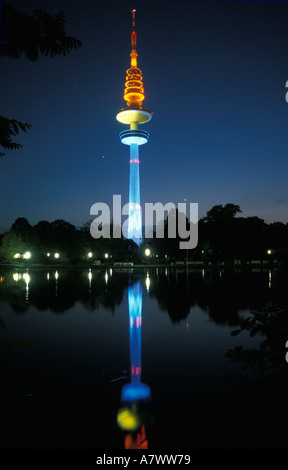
<point x="10" y="128"/>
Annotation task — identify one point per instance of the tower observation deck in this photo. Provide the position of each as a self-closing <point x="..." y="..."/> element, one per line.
<point x="134" y="114"/>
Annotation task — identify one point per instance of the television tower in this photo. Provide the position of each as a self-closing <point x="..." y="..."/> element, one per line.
<point x="134" y="114"/>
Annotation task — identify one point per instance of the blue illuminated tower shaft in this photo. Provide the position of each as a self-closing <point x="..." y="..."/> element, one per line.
<point x="135" y="216"/>
<point x="134" y="138"/>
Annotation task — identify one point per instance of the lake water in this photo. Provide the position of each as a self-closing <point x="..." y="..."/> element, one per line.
<point x="115" y="358"/>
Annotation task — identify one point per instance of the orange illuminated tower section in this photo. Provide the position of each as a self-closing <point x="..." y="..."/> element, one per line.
<point x="133" y="115"/>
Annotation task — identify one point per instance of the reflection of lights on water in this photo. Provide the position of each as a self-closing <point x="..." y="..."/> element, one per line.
<point x="111" y="271"/>
<point x="106" y="277"/>
<point x="27" y="280"/>
<point x="147" y="282"/>
<point x="203" y="273"/>
<point x="1" y="278"/>
<point x="166" y="272"/>
<point x="270" y="279"/>
<point x="48" y="276"/>
<point x="220" y="273"/>
<point x="89" y="280"/>
<point x="56" y="283"/>
<point x="187" y="326"/>
<point x="135" y="390"/>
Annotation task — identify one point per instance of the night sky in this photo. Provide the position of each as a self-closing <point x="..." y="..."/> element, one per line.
<point x="214" y="76"/>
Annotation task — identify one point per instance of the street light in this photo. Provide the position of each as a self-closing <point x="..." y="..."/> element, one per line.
<point x="27" y="255"/>
<point x="56" y="255"/>
<point x="147" y="252"/>
<point x="106" y="255"/>
<point x="90" y="254"/>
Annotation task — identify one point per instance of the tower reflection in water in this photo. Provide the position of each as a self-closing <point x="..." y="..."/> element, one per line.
<point x="135" y="412"/>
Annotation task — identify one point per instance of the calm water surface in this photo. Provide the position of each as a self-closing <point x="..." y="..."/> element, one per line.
<point x="73" y="340"/>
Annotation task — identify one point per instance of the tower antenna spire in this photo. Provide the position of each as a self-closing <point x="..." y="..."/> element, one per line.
<point x="133" y="35"/>
<point x="133" y="18"/>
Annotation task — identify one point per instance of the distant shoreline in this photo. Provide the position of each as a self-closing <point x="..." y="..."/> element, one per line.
<point x="176" y="265"/>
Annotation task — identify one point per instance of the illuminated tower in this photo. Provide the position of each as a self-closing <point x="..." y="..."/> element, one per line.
<point x="134" y="114"/>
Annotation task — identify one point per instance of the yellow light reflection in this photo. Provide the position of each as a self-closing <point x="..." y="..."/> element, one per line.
<point x="106" y="277"/>
<point x="56" y="275"/>
<point x="127" y="419"/>
<point x="17" y="277"/>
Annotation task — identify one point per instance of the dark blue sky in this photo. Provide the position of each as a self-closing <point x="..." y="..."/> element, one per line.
<point x="214" y="76"/>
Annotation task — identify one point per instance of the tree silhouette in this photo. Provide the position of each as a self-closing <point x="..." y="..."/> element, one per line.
<point x="31" y="36"/>
<point x="12" y="243"/>
<point x="220" y="214"/>
<point x="10" y="128"/>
